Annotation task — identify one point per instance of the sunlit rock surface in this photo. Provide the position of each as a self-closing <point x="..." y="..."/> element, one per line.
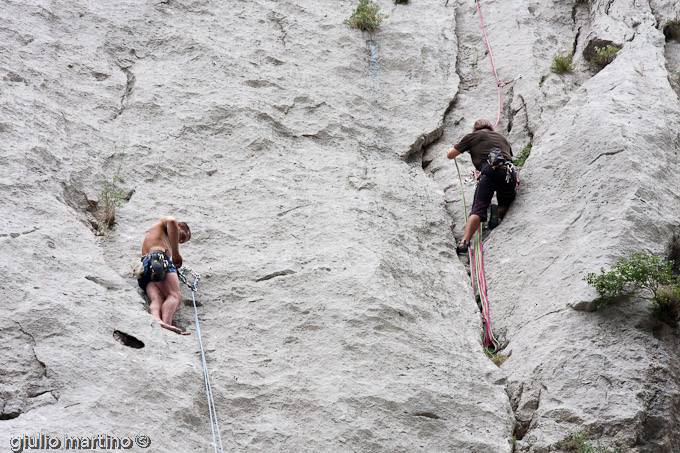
<point x="308" y="159"/>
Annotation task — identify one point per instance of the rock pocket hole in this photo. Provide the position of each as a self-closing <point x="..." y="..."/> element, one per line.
<point x="127" y="340"/>
<point x="427" y="415"/>
<point x="9" y="415"/>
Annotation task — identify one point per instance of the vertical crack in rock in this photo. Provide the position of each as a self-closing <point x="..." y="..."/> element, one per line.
<point x="129" y="87"/>
<point x="25" y="383"/>
<point x="608" y="7"/>
<point x="278" y="19"/>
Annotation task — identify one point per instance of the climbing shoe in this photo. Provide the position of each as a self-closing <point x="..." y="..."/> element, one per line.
<point x="462" y="248"/>
<point x="493" y="218"/>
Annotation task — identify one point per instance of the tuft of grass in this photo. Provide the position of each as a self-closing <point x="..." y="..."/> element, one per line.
<point x="579" y="442"/>
<point x="644" y="275"/>
<point x="666" y="305"/>
<point x="367" y="16"/>
<point x="562" y="62"/>
<point x="521" y="159"/>
<point x="672" y="29"/>
<point x="499" y="359"/>
<point x="111" y="197"/>
<point x="604" y="55"/>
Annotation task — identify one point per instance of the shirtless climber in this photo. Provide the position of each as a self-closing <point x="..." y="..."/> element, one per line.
<point x="161" y="258"/>
<point x="492" y="156"/>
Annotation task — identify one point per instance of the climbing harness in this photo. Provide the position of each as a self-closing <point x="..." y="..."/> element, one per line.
<point x="158" y="264"/>
<point x="496" y="158"/>
<point x="214" y="425"/>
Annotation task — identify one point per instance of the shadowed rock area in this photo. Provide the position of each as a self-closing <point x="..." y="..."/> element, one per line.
<point x="309" y="160"/>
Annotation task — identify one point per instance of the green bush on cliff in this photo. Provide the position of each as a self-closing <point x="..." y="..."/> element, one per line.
<point x="111" y="198"/>
<point x="367" y="16"/>
<point x="604" y="55"/>
<point x="562" y="62"/>
<point x="579" y="442"/>
<point x="522" y="158"/>
<point x="644" y="275"/>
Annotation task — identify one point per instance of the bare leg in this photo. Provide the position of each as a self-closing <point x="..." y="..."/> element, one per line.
<point x="165" y="298"/>
<point x="156" y="297"/>
<point x="471" y="227"/>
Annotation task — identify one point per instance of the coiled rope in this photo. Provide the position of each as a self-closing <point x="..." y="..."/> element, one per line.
<point x="214" y="424"/>
<point x="477" y="275"/>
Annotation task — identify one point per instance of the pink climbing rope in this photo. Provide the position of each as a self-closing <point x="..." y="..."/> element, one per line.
<point x="493" y="66"/>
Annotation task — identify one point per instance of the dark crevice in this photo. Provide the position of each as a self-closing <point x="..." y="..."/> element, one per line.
<point x="275" y="274"/>
<point x="127" y="340"/>
<point x="419" y="147"/>
<point x="576" y="38"/>
<point x="431" y="415"/>
<point x="9" y="415"/>
<point x="610" y="153"/>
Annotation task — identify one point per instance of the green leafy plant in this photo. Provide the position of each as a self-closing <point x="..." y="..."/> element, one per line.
<point x="521" y="159"/>
<point x="367" y="16"/>
<point x="672" y="29"/>
<point x="562" y="62"/>
<point x="111" y="198"/>
<point x="604" y="55"/>
<point x="579" y="442"/>
<point x="643" y="274"/>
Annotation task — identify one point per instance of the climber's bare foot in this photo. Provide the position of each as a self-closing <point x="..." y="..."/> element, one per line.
<point x="171" y="327"/>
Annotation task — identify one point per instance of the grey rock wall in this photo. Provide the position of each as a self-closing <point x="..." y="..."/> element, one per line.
<point x="308" y="159"/>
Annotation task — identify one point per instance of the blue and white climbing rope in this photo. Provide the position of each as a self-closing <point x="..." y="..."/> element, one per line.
<point x="214" y="424"/>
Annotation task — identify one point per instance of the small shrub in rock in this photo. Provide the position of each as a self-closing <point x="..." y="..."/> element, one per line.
<point x="579" y="442"/>
<point x="604" y="55"/>
<point x="666" y="305"/>
<point x="673" y="251"/>
<point x="367" y="16"/>
<point x="643" y="274"/>
<point x="672" y="29"/>
<point x="521" y="159"/>
<point x="562" y="62"/>
<point x="111" y="198"/>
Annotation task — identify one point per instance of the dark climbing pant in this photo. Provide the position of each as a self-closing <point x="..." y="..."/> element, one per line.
<point x="500" y="181"/>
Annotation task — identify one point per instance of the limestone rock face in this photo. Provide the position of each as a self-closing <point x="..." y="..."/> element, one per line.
<point x="309" y="160"/>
